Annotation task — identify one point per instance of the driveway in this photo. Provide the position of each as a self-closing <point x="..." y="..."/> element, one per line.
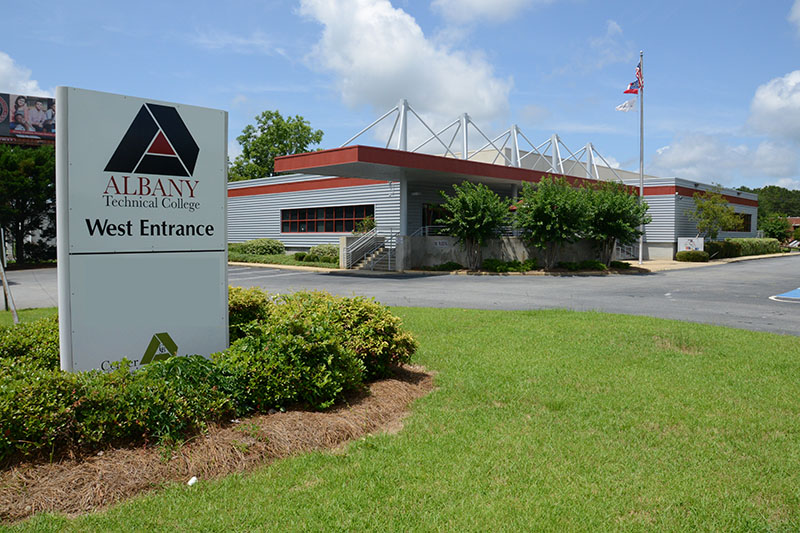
<point x="734" y="294"/>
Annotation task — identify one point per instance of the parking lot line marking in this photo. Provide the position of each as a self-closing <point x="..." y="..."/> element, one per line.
<point x="787" y="297"/>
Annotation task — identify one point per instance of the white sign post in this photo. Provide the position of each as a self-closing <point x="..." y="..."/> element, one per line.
<point x="141" y="229"/>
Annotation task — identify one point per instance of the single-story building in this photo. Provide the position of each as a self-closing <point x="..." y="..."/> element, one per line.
<point x="326" y="193"/>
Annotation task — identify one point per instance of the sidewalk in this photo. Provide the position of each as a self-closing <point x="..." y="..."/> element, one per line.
<point x="661" y="265"/>
<point x="654" y="265"/>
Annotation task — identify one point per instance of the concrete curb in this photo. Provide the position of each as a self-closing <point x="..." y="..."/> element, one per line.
<point x="650" y="267"/>
<point x="283" y="267"/>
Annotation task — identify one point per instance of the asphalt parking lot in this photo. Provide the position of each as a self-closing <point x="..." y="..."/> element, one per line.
<point x="735" y="294"/>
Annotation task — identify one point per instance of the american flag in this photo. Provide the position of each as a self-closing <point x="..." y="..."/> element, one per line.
<point x="634" y="86"/>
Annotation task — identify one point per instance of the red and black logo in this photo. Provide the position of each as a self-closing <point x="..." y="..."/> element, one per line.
<point x="157" y="142"/>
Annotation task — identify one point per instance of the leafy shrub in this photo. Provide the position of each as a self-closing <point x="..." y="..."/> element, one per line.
<point x="589" y="264"/>
<point x="33" y="344"/>
<point x="298" y="355"/>
<point x="299" y="256"/>
<point x="621" y="265"/>
<point x="365" y="225"/>
<point x="245" y="306"/>
<point x="758" y="246"/>
<point x="178" y="395"/>
<point x="692" y="256"/>
<point x="307" y="347"/>
<point x="496" y="265"/>
<point x="448" y="267"/>
<point x="312" y="258"/>
<point x="372" y="332"/>
<point x="262" y="247"/>
<point x="327" y="253"/>
<point x="723" y="249"/>
<point x="50" y="411"/>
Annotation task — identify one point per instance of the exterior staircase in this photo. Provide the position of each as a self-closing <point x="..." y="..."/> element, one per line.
<point x="382" y="259"/>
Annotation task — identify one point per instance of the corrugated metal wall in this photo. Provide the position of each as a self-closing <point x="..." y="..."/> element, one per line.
<point x="662" y="209"/>
<point x="427" y="193"/>
<point x="258" y="216"/>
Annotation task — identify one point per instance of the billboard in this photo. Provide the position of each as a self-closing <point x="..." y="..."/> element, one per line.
<point x="26" y="119"/>
<point x="141" y="229"/>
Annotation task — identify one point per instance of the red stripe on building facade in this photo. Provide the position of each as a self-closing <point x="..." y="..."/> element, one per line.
<point x="663" y="190"/>
<point x="313" y="185"/>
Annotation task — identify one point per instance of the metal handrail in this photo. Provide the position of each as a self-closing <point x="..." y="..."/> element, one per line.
<point x="362" y="246"/>
<point x="390" y="242"/>
<point x="425" y="231"/>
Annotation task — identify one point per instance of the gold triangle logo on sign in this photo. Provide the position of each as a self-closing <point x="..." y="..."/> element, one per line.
<point x="161" y="347"/>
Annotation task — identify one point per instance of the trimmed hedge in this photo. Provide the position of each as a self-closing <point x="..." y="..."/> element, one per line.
<point x="758" y="246"/>
<point x="244" y="307"/>
<point x="261" y="247"/>
<point x="589" y="264"/>
<point x="496" y="265"/>
<point x="723" y="249"/>
<point x="327" y="253"/>
<point x="443" y="267"/>
<point x="692" y="256"/>
<point x="308" y="348"/>
<point x="30" y="345"/>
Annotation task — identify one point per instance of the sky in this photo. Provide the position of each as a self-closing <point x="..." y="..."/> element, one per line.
<point x="721" y="99"/>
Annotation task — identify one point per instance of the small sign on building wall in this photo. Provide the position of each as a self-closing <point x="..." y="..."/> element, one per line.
<point x="141" y="229"/>
<point x="690" y="244"/>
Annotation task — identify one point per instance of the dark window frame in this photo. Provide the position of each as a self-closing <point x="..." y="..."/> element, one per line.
<point x="335" y="219"/>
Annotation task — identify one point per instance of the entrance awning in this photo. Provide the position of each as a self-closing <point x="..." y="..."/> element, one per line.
<point x="371" y="162"/>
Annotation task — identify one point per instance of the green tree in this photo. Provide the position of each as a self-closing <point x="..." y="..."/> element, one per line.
<point x="774" y="199"/>
<point x="775" y="226"/>
<point x="551" y="214"/>
<point x="713" y="214"/>
<point x="272" y="136"/>
<point x="475" y="214"/>
<point x="27" y="192"/>
<point x="615" y="216"/>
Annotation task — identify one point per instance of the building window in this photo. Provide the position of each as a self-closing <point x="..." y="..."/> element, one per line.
<point x="744" y="223"/>
<point x="324" y="219"/>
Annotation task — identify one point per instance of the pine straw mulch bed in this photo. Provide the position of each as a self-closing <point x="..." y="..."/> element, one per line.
<point x="82" y="484"/>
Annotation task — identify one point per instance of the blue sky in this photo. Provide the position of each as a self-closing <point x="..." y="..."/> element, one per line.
<point x="722" y="100"/>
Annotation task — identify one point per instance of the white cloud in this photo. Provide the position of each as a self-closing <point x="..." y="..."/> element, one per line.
<point x="706" y="158"/>
<point x="775" y="108"/>
<point x="607" y="49"/>
<point x="787" y="183"/>
<point x="256" y="43"/>
<point x="379" y="55"/>
<point x="611" y="48"/>
<point x="794" y="14"/>
<point x="612" y="162"/>
<point x="461" y="11"/>
<point x="775" y="159"/>
<point x="16" y="79"/>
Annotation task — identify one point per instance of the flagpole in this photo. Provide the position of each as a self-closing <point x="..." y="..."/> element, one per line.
<point x="641" y="148"/>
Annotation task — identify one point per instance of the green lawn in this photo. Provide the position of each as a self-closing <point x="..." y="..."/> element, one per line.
<point x="542" y="420"/>
<point x="26" y="315"/>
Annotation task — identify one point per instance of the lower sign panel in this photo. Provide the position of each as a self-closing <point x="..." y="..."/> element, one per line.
<point x="146" y="307"/>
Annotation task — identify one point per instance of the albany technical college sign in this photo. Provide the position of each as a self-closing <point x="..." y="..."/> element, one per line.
<point x="142" y="254"/>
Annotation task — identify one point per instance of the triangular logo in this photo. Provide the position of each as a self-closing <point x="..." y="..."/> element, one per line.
<point x="161" y="146"/>
<point x="161" y="347"/>
<point x="157" y="142"/>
